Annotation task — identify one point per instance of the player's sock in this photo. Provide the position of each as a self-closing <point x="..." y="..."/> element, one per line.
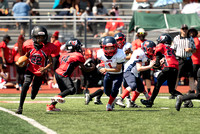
<point x="54" y="103"/>
<point x="146" y="94"/>
<point x="99" y="92"/>
<point x="111" y="99"/>
<point x="134" y="95"/>
<point x="125" y="93"/>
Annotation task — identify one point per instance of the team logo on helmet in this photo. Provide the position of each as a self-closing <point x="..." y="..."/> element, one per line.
<point x="74" y="42"/>
<point x="41" y="33"/>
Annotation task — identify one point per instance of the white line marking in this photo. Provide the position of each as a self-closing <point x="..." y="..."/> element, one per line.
<point x="30" y="121"/>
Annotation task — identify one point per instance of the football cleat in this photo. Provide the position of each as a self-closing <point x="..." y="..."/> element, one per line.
<point x="97" y="101"/>
<point x="120" y="103"/>
<point x="58" y="98"/>
<point x="87" y="99"/>
<point x="178" y="102"/>
<point x="19" y="111"/>
<point x="147" y="103"/>
<point x="52" y="108"/>
<point x="109" y="107"/>
<point x="188" y="104"/>
<point x="132" y="105"/>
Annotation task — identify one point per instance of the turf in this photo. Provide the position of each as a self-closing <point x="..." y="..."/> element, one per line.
<point x="77" y="118"/>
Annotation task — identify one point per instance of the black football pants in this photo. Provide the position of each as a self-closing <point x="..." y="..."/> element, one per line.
<point x="37" y="82"/>
<point x="169" y="74"/>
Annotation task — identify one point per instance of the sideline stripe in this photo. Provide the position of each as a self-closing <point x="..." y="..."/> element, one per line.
<point x="30" y="121"/>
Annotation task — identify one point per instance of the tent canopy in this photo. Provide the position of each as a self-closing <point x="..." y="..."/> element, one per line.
<point x="150" y="21"/>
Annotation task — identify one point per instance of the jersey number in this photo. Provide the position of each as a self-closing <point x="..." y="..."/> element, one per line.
<point x="36" y="60"/>
<point x="170" y="52"/>
<point x="65" y="59"/>
<point x="109" y="64"/>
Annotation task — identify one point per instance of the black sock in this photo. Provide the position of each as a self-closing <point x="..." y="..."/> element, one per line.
<point x="97" y="93"/>
<point x="54" y="103"/>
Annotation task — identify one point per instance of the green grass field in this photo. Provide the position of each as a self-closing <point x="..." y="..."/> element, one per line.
<point x="77" y="118"/>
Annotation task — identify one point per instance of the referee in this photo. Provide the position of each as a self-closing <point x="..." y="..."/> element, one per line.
<point x="184" y="46"/>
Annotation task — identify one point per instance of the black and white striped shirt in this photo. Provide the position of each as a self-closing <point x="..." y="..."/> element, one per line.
<point x="179" y="45"/>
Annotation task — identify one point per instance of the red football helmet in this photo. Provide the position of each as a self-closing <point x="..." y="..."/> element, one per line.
<point x="109" y="46"/>
<point x="88" y="54"/>
<point x="148" y="47"/>
<point x="121" y="40"/>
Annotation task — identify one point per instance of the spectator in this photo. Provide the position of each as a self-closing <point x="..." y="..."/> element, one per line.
<point x="99" y="10"/>
<point x="4" y="53"/>
<point x="113" y="27"/>
<point x="4" y="7"/>
<point x="17" y="52"/>
<point x="80" y="5"/>
<point x="33" y="4"/>
<point x="4" y="76"/>
<point x="192" y="32"/>
<point x="184" y="47"/>
<point x="89" y="25"/>
<point x="21" y="9"/>
<point x="140" y="4"/>
<point x="115" y="9"/>
<point x="65" y="4"/>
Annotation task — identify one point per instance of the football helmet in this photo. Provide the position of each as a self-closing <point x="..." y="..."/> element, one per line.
<point x="101" y="41"/>
<point x="164" y="38"/>
<point x="73" y="45"/>
<point x="148" y="47"/>
<point x="121" y="40"/>
<point x="39" y="31"/>
<point x="88" y="54"/>
<point x="109" y="46"/>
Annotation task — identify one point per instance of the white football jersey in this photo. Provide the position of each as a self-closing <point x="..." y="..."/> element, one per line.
<point x="119" y="57"/>
<point x="137" y="56"/>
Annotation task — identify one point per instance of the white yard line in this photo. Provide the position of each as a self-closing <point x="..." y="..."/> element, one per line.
<point x="30" y="121"/>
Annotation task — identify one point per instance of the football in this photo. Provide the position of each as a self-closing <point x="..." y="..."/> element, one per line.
<point x="22" y="61"/>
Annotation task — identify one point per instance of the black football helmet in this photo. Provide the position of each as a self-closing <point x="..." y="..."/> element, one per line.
<point x="101" y="41"/>
<point x="164" y="38"/>
<point x="73" y="45"/>
<point x="121" y="40"/>
<point x="109" y="42"/>
<point x="148" y="47"/>
<point x="39" y="31"/>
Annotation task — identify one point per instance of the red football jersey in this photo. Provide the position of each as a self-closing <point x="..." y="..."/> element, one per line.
<point x="15" y="53"/>
<point x="27" y="46"/>
<point x="196" y="56"/>
<point x="38" y="59"/>
<point x="6" y="50"/>
<point x="170" y="58"/>
<point x="68" y="62"/>
<point x="57" y="51"/>
<point x="112" y="26"/>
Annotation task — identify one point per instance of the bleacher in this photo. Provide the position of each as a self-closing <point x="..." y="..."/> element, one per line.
<point x="124" y="7"/>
